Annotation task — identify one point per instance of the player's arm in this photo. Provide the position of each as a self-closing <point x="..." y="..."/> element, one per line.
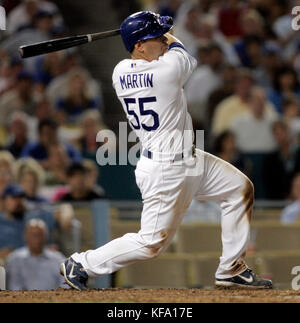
<point x="184" y="63"/>
<point x="172" y="39"/>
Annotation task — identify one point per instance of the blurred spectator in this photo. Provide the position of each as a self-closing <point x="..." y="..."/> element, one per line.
<point x="34" y="267"/>
<point x="30" y="176"/>
<point x="291" y="213"/>
<point x="23" y="14"/>
<point x="40" y="29"/>
<point x="9" y="5"/>
<point x="18" y="99"/>
<point x="229" y="16"/>
<point x="77" y="99"/>
<point x="16" y="214"/>
<point x="91" y="123"/>
<point x="291" y="116"/>
<point x="253" y="128"/>
<point x="11" y="220"/>
<point x="18" y="134"/>
<point x="288" y="38"/>
<point x="92" y="176"/>
<point x="225" y="90"/>
<point x="253" y="133"/>
<point x="270" y="62"/>
<point x="205" y="79"/>
<point x="58" y="87"/>
<point x="252" y="25"/>
<point x="10" y="67"/>
<point x="78" y="188"/>
<point x="57" y="164"/>
<point x="285" y="84"/>
<point x="7" y="176"/>
<point x="49" y="67"/>
<point x="169" y="8"/>
<point x="236" y="104"/>
<point x="43" y="110"/>
<point x="281" y="165"/>
<point x="233" y="105"/>
<point x="225" y="148"/>
<point x="47" y="130"/>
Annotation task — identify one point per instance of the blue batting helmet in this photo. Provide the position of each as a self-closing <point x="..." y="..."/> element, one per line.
<point x="143" y="25"/>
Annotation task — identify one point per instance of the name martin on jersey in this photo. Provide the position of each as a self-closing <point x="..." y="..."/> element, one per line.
<point x="133" y="81"/>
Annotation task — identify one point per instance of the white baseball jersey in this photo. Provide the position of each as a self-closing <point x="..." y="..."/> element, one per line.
<point x="153" y="99"/>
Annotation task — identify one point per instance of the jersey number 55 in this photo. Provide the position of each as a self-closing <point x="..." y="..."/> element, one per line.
<point x="143" y="112"/>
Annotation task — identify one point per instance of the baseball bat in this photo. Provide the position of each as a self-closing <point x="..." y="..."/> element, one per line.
<point x="54" y="45"/>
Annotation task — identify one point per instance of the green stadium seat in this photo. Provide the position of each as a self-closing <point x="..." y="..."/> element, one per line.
<point x="271" y="236"/>
<point x="199" y="237"/>
<point x="168" y="270"/>
<point x="278" y="266"/>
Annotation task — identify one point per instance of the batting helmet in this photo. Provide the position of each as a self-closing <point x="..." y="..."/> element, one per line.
<point x="143" y="25"/>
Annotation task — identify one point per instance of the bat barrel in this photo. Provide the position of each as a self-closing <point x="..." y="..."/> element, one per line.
<point x="52" y="46"/>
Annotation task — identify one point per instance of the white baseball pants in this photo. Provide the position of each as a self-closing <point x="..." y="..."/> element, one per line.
<point x="167" y="191"/>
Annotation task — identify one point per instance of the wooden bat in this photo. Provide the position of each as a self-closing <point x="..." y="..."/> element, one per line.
<point x="54" y="45"/>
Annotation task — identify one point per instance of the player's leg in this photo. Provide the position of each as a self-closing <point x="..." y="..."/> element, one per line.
<point x="223" y="182"/>
<point x="166" y="194"/>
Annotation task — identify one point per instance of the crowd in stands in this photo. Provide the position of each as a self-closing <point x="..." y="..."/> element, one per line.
<point x="50" y="112"/>
<point x="245" y="90"/>
<point x="245" y="94"/>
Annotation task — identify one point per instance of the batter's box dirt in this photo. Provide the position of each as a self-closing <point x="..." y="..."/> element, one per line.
<point x="118" y="295"/>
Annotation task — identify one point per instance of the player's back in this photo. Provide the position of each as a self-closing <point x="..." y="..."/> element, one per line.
<point x="153" y="99"/>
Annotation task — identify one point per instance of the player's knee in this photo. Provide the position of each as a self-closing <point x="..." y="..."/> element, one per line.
<point x="248" y="198"/>
<point x="154" y="252"/>
<point x="156" y="245"/>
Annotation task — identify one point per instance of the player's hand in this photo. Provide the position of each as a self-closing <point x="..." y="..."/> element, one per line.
<point x="166" y="20"/>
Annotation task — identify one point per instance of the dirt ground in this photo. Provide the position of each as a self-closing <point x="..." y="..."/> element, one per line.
<point x="117" y="295"/>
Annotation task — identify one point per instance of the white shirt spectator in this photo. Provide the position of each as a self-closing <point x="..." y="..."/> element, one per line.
<point x="290" y="213"/>
<point x="202" y="82"/>
<point x="19" y="17"/>
<point x="27" y="272"/>
<point x="254" y="135"/>
<point x="283" y="30"/>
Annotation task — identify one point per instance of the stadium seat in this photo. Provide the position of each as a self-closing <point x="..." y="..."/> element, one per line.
<point x="275" y="236"/>
<point x="168" y="270"/>
<point x="120" y="227"/>
<point x="84" y="216"/>
<point x="278" y="266"/>
<point x="266" y="214"/>
<point x="202" y="268"/>
<point x="198" y="237"/>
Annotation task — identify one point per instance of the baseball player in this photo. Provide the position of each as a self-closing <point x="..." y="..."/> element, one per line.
<point x="170" y="172"/>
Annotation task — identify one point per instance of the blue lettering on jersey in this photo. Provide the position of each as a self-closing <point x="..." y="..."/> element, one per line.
<point x="122" y="81"/>
<point x="133" y="81"/>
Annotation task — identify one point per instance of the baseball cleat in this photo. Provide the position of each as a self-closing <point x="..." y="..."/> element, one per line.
<point x="75" y="275"/>
<point x="247" y="279"/>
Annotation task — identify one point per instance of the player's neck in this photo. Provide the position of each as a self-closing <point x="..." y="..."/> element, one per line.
<point x="137" y="55"/>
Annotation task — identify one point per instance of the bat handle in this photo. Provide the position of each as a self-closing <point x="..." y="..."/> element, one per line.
<point x="104" y="34"/>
